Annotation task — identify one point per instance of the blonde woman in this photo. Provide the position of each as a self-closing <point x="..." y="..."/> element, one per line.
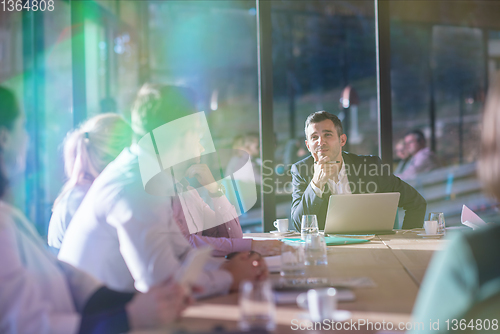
<point x="87" y="151"/>
<point x="40" y="294"/>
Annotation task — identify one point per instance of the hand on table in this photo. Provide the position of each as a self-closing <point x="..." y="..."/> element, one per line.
<point x="246" y="266"/>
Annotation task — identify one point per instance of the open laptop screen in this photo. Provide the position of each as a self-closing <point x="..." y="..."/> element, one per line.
<point x="361" y="213"/>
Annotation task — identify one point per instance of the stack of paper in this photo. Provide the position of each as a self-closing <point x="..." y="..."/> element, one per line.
<point x="470" y="219"/>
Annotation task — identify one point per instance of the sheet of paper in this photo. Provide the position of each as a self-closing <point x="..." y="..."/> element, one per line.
<point x="471" y="219"/>
<point x="290" y="297"/>
<point x="273" y="263"/>
<point x="331" y="240"/>
<point x="352" y="282"/>
<point x="284" y="283"/>
<point x="265" y="238"/>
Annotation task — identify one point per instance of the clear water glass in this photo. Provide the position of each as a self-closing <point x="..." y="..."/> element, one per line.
<point x="292" y="260"/>
<point x="439" y="217"/>
<point x="321" y="303"/>
<point x="258" y="311"/>
<point x="315" y="250"/>
<point x="309" y="226"/>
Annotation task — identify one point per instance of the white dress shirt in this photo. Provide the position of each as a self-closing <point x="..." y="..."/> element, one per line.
<point x="126" y="237"/>
<point x="39" y="294"/>
<point x="341" y="187"/>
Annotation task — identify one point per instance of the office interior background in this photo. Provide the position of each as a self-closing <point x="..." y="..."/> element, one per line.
<point x="88" y="57"/>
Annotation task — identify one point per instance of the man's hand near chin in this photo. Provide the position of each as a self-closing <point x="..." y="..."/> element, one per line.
<point x="324" y="170"/>
<point x="246" y="266"/>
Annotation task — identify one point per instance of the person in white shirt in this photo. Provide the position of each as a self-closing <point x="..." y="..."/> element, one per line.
<point x="127" y="237"/>
<point x="87" y="151"/>
<point x="40" y="294"/>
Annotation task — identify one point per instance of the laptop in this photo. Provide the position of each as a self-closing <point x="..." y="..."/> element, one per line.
<point x="361" y="213"/>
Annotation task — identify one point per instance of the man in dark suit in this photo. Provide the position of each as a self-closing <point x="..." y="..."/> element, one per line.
<point x="329" y="170"/>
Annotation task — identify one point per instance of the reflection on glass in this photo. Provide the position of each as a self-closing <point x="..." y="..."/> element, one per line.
<point x="323" y="59"/>
<point x="439" y="78"/>
<point x="211" y="47"/>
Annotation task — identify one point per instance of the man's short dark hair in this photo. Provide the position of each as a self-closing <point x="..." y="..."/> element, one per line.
<point x="158" y="104"/>
<point x="322" y="115"/>
<point x="419" y="135"/>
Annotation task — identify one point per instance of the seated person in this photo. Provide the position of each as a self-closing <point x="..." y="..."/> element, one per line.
<point x="249" y="183"/>
<point x="295" y="149"/>
<point x="329" y="170"/>
<point x="463" y="281"/>
<point x="402" y="155"/>
<point x="250" y="144"/>
<point x="87" y="151"/>
<point x="191" y="213"/>
<point x="43" y="295"/>
<point x="421" y="158"/>
<point x="127" y="237"/>
<point x="239" y="158"/>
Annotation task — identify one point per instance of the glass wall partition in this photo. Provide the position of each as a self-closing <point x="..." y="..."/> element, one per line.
<point x="57" y="118"/>
<point x="441" y="62"/>
<point x="36" y="58"/>
<point x="211" y="47"/>
<point x="324" y="58"/>
<point x="11" y="76"/>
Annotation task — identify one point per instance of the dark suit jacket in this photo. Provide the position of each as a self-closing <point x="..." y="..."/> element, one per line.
<point x="366" y="174"/>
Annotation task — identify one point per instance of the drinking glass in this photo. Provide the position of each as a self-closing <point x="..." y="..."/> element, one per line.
<point x="439" y="217"/>
<point x="431" y="227"/>
<point x="321" y="303"/>
<point x="315" y="250"/>
<point x="258" y="311"/>
<point x="292" y="260"/>
<point x="309" y="226"/>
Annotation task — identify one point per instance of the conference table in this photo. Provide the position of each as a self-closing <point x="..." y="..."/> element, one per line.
<point x="395" y="264"/>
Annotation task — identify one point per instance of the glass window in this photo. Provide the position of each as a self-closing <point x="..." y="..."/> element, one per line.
<point x="211" y="47"/>
<point x="58" y="117"/>
<point x="11" y="76"/>
<point x="440" y="62"/>
<point x="323" y="59"/>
